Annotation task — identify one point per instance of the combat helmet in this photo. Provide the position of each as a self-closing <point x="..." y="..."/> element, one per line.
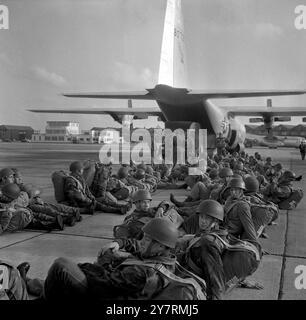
<point x="163" y="231"/>
<point x="212" y="208"/>
<point x="141" y="194"/>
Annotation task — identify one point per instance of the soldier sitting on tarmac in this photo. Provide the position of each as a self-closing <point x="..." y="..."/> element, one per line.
<point x="239" y="223"/>
<point x="263" y="212"/>
<point x="214" y="255"/>
<point x="282" y="192"/>
<point x="6" y="176"/>
<point x="146" y="273"/>
<point x="103" y="184"/>
<point x="274" y="173"/>
<point x="16" y="216"/>
<point x="143" y="213"/>
<point x="69" y="214"/>
<point x="201" y="251"/>
<point x="220" y="194"/>
<point x="268" y="164"/>
<point x="238" y="218"/>
<point x="77" y="193"/>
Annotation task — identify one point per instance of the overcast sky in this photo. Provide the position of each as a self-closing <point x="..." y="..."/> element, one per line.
<point x="112" y="45"/>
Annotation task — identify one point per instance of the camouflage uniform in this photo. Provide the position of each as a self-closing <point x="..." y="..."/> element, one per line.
<point x="116" y="279"/>
<point x="16" y="287"/>
<point x="78" y="194"/>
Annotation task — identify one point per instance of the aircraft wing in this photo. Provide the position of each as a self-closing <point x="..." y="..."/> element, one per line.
<point x="211" y="94"/>
<point x="252" y="111"/>
<point x="138" y="95"/>
<point x="115" y="113"/>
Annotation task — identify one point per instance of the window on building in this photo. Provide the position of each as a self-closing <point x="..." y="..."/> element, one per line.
<point x="81" y="139"/>
<point x="39" y="138"/>
<point x="87" y="139"/>
<point x="61" y="138"/>
<point x="54" y="138"/>
<point x="47" y="138"/>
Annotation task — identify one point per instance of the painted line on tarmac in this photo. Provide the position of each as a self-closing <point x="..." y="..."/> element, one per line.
<point x="81" y="235"/>
<point x="17" y="242"/>
<point x="281" y="282"/>
<point x="287" y="256"/>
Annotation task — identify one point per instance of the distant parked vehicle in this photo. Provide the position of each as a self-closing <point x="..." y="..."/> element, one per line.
<point x="7" y="140"/>
<point x="25" y="140"/>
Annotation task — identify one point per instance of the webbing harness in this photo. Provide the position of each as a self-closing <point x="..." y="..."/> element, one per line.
<point x="170" y="275"/>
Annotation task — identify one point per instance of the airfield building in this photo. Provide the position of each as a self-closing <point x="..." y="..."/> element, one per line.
<point x="58" y="131"/>
<point x="15" y="133"/>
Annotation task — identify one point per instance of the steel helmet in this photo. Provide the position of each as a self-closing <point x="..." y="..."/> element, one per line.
<point x="288" y="176"/>
<point x="149" y="170"/>
<point x="142" y="166"/>
<point x="123" y="172"/>
<point x="236" y="176"/>
<point x="251" y="184"/>
<point x="163" y="231"/>
<point x="279" y="166"/>
<point x="237" y="183"/>
<point x="140" y="174"/>
<point x="213" y="174"/>
<point x="269" y="159"/>
<point x="141" y="195"/>
<point x="11" y="190"/>
<point x="212" y="208"/>
<point x="6" y="172"/>
<point x="238" y="166"/>
<point x="225" y="172"/>
<point x="76" y="165"/>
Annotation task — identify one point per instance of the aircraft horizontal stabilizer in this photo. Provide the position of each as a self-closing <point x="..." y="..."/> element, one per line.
<point x="251" y="111"/>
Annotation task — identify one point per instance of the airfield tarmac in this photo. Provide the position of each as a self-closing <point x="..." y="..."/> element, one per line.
<point x="81" y="243"/>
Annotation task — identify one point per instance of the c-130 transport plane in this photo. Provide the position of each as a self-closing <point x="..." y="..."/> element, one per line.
<point x="181" y="107"/>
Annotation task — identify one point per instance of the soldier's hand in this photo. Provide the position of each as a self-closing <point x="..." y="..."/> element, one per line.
<point x="113" y="246"/>
<point x="251" y="284"/>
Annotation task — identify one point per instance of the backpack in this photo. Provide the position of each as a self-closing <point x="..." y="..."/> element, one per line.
<point x="181" y="285"/>
<point x="89" y="172"/>
<point x="291" y="203"/>
<point x="262" y="215"/>
<point x="58" y="180"/>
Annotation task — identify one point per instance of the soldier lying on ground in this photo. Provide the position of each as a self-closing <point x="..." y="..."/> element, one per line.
<point x="147" y="273"/>
<point x="282" y="192"/>
<point x="16" y="215"/>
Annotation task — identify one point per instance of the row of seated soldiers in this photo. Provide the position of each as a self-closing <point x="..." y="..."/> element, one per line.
<point x="89" y="187"/>
<point x="194" y="249"/>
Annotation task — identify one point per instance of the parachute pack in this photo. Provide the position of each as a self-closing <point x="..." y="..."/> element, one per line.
<point x="181" y="285"/>
<point x="58" y="180"/>
<point x="292" y="202"/>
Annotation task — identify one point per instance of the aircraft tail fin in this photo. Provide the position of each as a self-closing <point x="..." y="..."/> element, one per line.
<point x="172" y="68"/>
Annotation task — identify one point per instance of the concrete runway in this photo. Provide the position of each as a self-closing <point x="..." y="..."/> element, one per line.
<point x="286" y="244"/>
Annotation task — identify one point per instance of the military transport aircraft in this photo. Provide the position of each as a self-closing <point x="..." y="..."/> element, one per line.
<point x="181" y="107"/>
